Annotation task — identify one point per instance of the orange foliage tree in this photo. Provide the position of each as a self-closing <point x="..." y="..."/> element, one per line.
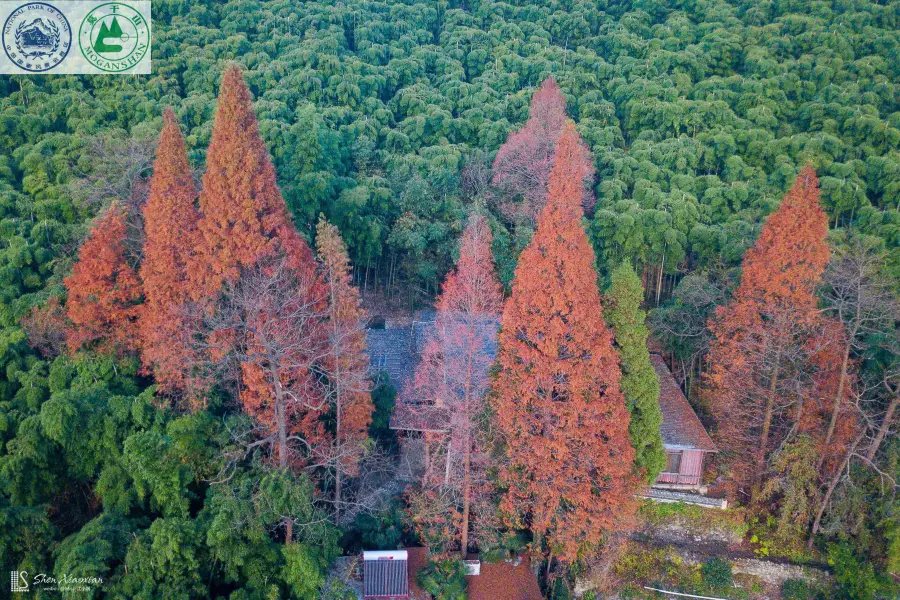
<point x="559" y="408"/>
<point x="243" y="215"/>
<point x="346" y="363"/>
<point x="265" y="332"/>
<point x="170" y="226"/>
<point x="104" y="292"/>
<point x="522" y="166"/>
<point x="259" y="301"/>
<point x="453" y="376"/>
<point x="760" y="357"/>
<point x="244" y="226"/>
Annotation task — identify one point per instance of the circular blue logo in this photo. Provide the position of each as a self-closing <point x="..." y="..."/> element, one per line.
<point x="36" y="36"/>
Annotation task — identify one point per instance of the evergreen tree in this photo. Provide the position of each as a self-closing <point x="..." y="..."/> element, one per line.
<point x="170" y="226"/>
<point x="559" y="407"/>
<point x="640" y="384"/>
<point x="103" y="290"/>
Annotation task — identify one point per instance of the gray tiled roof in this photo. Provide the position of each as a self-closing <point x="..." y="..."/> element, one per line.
<point x="681" y="429"/>
<point x="395" y="349"/>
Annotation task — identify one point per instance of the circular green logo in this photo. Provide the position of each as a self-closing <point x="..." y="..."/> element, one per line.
<point x="114" y="37"/>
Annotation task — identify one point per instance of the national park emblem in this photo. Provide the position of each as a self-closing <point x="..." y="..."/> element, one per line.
<point x="36" y="36"/>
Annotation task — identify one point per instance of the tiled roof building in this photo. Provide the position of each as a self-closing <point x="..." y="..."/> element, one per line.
<point x="681" y="429"/>
<point x="395" y="351"/>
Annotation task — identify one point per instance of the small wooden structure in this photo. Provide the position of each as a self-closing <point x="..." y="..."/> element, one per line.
<point x="684" y="438"/>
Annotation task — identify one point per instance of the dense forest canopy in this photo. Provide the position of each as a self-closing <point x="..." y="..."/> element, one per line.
<point x="698" y="117"/>
<point x="385" y="118"/>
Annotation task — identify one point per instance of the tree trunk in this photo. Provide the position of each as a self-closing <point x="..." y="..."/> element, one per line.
<point x="467" y="491"/>
<point x="884" y="427"/>
<point x="447" y="462"/>
<point x="662" y="266"/>
<point x="338" y="402"/>
<point x="427" y="443"/>
<point x="466" y="435"/>
<point x="338" y="470"/>
<point x="832" y="424"/>
<point x="766" y="426"/>
<point x="842" y="382"/>
<point x="536" y="551"/>
<point x="281" y="424"/>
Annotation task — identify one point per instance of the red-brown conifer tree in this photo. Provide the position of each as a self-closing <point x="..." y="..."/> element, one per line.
<point x="453" y="376"/>
<point x="522" y="166"/>
<point x="760" y="354"/>
<point x="243" y="216"/>
<point x="256" y="280"/>
<point x="103" y="290"/>
<point x="170" y="225"/>
<point x="346" y="363"/>
<point x="558" y="405"/>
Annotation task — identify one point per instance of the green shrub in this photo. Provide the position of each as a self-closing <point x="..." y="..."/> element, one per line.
<point x="856" y="579"/>
<point x="444" y="579"/>
<point x="717" y="573"/>
<point x="796" y="589"/>
<point x="383" y="531"/>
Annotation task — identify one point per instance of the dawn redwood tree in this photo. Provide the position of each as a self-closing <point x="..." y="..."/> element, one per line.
<point x="104" y="292"/>
<point x="246" y="238"/>
<point x="522" y="166"/>
<point x="170" y="225"/>
<point x="259" y="301"/>
<point x="760" y="352"/>
<point x="557" y="398"/>
<point x="346" y="363"/>
<point x="265" y="336"/>
<point x="640" y="384"/>
<point x="243" y="215"/>
<point x="453" y="375"/>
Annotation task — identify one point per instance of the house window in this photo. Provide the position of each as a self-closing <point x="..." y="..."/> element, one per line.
<point x="381" y="361"/>
<point x="673" y="462"/>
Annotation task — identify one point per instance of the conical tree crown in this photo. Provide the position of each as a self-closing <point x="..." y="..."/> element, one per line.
<point x="758" y="356"/>
<point x="170" y="218"/>
<point x="347" y="363"/>
<point x="170" y="225"/>
<point x="523" y="163"/>
<point x="786" y="263"/>
<point x="558" y="402"/>
<point x="243" y="215"/>
<point x="103" y="290"/>
<point x="472" y="288"/>
<point x="640" y="384"/>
